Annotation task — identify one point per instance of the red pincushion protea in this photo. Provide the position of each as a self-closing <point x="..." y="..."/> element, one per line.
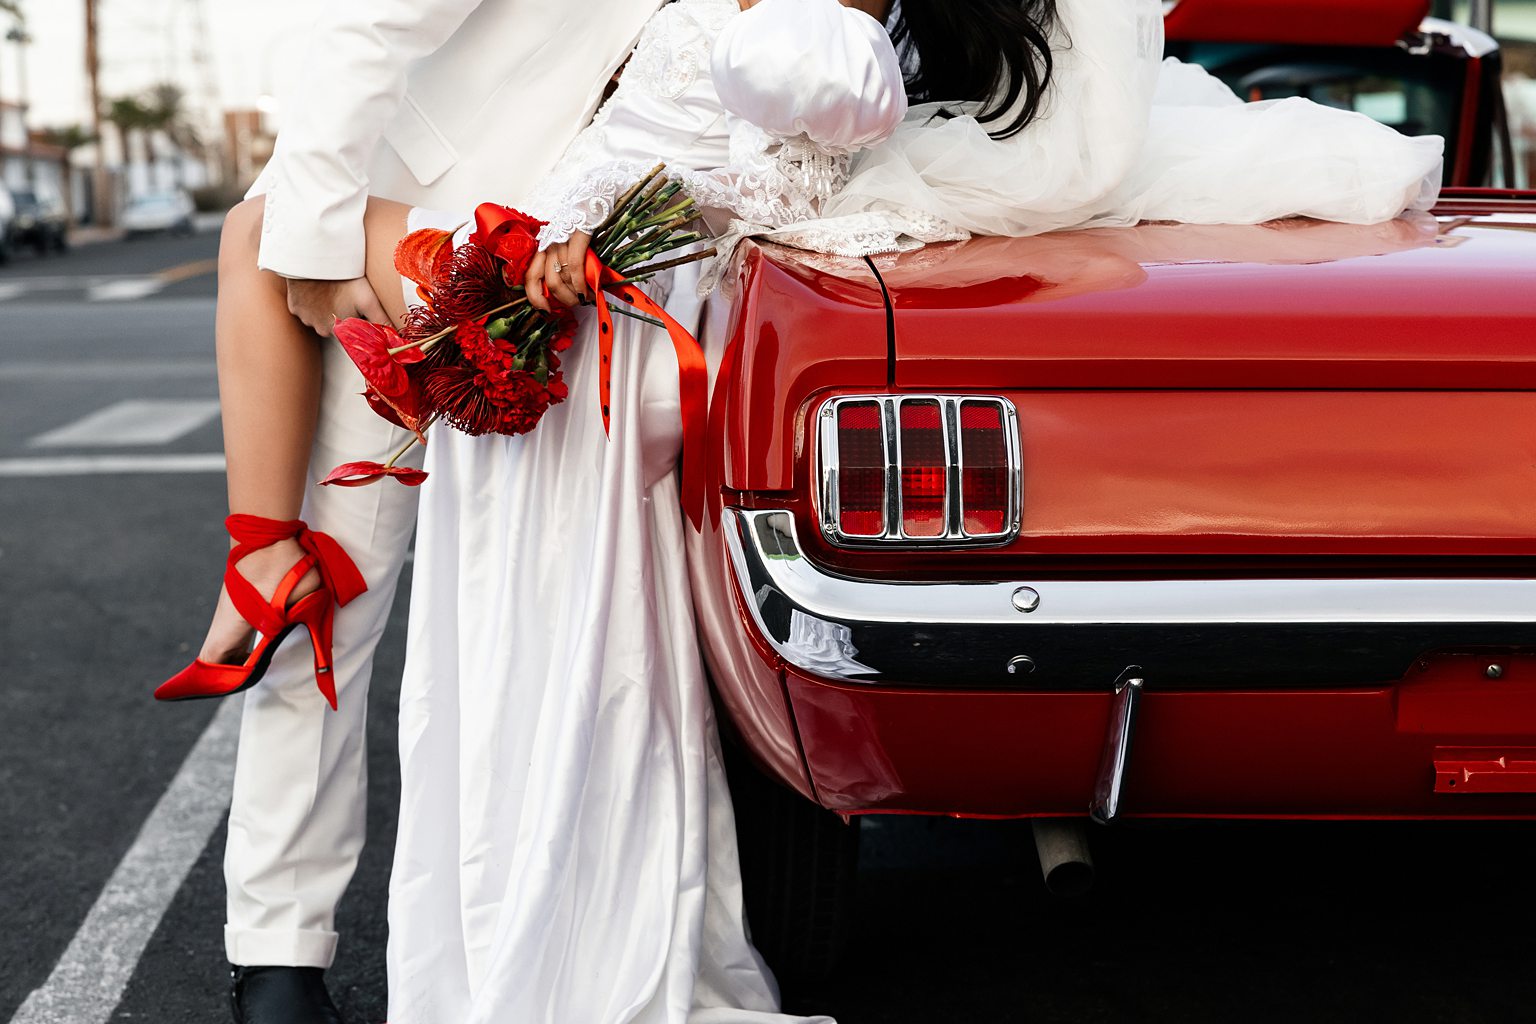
<point x="469" y="284"/>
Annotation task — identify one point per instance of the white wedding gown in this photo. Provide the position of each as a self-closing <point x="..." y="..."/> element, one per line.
<point x="566" y="849"/>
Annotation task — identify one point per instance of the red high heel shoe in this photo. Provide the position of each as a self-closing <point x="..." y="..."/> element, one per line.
<point x="273" y="620"/>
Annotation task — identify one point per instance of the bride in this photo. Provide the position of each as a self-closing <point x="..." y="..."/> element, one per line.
<point x="566" y="848"/>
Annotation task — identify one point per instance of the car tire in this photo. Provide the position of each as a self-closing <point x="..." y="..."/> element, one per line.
<point x="799" y="865"/>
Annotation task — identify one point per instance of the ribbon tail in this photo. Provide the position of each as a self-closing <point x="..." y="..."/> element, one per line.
<point x="692" y="377"/>
<point x="597" y="275"/>
<point x="338" y="570"/>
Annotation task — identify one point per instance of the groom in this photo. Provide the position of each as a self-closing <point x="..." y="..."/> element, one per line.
<point x="439" y="103"/>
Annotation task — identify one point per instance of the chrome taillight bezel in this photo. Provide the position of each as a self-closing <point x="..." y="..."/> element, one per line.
<point x="955" y="534"/>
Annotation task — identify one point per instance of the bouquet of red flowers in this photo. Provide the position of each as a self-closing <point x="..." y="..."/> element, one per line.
<point x="476" y="355"/>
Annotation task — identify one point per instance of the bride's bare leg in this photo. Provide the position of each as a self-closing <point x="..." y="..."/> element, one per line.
<point x="269" y="391"/>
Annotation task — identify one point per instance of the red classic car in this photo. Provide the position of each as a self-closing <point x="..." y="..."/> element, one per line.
<point x="1168" y="521"/>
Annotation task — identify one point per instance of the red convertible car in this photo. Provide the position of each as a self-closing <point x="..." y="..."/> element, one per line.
<point x="1160" y="522"/>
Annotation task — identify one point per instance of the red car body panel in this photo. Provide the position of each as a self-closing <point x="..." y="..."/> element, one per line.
<point x="1301" y="305"/>
<point x="1279" y="474"/>
<point x="796" y="330"/>
<point x="1193" y="402"/>
<point x="1367" y="753"/>
<point x="1302" y="22"/>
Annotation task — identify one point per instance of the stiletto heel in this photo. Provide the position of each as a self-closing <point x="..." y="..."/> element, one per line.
<point x="273" y="620"/>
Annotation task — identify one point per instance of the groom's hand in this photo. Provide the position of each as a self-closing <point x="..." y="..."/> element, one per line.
<point x="319" y="304"/>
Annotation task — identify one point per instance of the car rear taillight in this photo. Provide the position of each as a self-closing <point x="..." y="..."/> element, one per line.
<point x="986" y="471"/>
<point x="861" y="475"/>
<point x="919" y="469"/>
<point x="924" y="470"/>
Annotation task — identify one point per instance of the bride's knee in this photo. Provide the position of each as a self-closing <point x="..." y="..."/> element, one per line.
<point x="240" y="240"/>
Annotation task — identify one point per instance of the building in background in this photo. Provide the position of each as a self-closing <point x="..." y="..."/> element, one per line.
<point x="248" y="143"/>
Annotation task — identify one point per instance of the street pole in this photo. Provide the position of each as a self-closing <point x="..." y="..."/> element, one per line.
<point x="1480" y="15"/>
<point x="19" y="36"/>
<point x="100" y="206"/>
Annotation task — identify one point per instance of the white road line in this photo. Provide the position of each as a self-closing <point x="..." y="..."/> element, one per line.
<point x="105" y="465"/>
<point x="125" y="288"/>
<point x="132" y="423"/>
<point x="9" y="291"/>
<point x="110" y="369"/>
<point x="88" y="981"/>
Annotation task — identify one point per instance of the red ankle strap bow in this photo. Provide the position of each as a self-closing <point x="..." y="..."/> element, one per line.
<point x="338" y="572"/>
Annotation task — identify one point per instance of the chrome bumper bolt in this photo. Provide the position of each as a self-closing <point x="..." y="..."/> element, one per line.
<point x="1494" y="672"/>
<point x="1026" y="599"/>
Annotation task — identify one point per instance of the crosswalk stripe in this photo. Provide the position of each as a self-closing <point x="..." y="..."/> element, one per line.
<point x="88" y="981"/>
<point x="126" y="289"/>
<point x="108" y="465"/>
<point x="111" y="370"/>
<point x="132" y="423"/>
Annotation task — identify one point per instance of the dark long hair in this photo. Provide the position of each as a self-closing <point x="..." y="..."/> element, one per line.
<point x="993" y="52"/>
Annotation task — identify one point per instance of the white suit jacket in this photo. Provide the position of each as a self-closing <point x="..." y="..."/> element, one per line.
<point x="441" y="103"/>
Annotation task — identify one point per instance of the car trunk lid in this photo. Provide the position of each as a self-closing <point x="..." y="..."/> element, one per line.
<point x="1416" y="303"/>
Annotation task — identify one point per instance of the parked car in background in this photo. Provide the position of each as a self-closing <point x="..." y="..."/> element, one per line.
<point x="158" y="212"/>
<point x="1170" y="521"/>
<point x="7" y="219"/>
<point x="42" y="220"/>
<point x="1382" y="58"/>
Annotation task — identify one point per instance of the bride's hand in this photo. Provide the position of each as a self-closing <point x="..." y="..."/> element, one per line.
<point x="559" y="273"/>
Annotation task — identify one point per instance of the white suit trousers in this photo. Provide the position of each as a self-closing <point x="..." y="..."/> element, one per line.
<point x="296" y="825"/>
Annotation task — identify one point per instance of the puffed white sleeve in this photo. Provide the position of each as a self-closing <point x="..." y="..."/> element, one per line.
<point x="805" y="84"/>
<point x="798" y="85"/>
<point x="811" y="68"/>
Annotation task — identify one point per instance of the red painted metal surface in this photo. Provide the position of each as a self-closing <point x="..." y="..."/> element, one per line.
<point x="1466" y="153"/>
<point x="745" y="670"/>
<point x="1309" y="22"/>
<point x="803" y="323"/>
<point x="1276" y="399"/>
<point x="1468" y="770"/>
<point x="1299" y="754"/>
<point x="1410" y="474"/>
<point x="1410" y="304"/>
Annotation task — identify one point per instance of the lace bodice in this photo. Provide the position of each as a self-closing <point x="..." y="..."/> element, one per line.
<point x="757" y="113"/>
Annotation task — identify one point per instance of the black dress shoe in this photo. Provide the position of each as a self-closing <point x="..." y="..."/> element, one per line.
<point x="280" y="995"/>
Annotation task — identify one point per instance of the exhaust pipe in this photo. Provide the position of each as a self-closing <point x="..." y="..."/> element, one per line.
<point x="1064" y="858"/>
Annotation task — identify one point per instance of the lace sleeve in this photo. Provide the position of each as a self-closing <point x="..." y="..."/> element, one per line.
<point x="663" y="105"/>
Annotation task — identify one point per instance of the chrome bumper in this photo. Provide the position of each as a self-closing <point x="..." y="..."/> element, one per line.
<point x="1067" y="635"/>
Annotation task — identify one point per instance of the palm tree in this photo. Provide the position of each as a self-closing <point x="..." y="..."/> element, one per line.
<point x="130" y="117"/>
<point x="69" y="138"/>
<point x="165" y="107"/>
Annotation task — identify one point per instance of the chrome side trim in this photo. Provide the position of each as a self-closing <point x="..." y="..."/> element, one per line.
<point x="1081" y="633"/>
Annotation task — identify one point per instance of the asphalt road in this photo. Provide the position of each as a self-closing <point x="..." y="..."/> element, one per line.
<point x="106" y="578"/>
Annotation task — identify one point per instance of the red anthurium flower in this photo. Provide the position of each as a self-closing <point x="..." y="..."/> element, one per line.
<point x="384" y="409"/>
<point x="368" y="344"/>
<point x="420" y="254"/>
<point x="360" y="474"/>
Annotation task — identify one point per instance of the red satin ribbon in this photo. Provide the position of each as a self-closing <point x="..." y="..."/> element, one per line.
<point x="692" y="376"/>
<point x="338" y="572"/>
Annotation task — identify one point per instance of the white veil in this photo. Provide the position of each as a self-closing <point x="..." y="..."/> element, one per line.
<point x="1060" y="169"/>
<point x="1122" y="137"/>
